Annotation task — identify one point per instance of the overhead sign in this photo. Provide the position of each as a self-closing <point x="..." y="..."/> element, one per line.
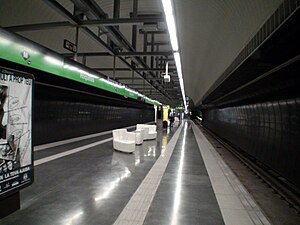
<point x="70" y="46"/>
<point x="16" y="158"/>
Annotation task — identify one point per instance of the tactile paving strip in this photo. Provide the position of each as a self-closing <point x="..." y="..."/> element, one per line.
<point x="236" y="203"/>
<point x="137" y="208"/>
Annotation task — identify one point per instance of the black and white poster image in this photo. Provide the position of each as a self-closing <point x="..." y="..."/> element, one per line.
<point x="15" y="128"/>
<point x="7" y="145"/>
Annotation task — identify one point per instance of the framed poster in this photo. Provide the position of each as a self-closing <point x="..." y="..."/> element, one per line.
<point x="16" y="152"/>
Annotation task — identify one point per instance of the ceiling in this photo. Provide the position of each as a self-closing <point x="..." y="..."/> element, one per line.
<point x="211" y="34"/>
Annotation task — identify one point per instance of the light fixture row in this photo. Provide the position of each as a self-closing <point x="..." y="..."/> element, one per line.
<point x="170" y="18"/>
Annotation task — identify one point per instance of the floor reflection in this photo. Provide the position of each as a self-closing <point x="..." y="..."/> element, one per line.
<point x="110" y="186"/>
<point x="126" y="166"/>
<point x="177" y="195"/>
<point x="73" y="218"/>
<point x="151" y="151"/>
<point x="125" y="160"/>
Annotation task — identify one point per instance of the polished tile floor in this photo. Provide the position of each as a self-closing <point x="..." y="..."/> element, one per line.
<point x="185" y="195"/>
<point x="88" y="187"/>
<point x="176" y="179"/>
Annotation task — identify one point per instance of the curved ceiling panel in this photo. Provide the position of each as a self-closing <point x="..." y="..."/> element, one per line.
<point x="16" y="12"/>
<point x="211" y="35"/>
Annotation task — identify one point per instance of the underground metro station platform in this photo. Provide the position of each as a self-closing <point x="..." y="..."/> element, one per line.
<point x="160" y="112"/>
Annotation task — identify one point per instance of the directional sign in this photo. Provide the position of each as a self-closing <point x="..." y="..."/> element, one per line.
<point x="70" y="46"/>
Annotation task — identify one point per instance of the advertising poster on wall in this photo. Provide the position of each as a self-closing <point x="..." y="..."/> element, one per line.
<point x="16" y="159"/>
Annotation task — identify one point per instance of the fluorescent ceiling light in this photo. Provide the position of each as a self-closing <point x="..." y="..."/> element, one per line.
<point x="110" y="82"/>
<point x="170" y="18"/>
<point x="53" y="60"/>
<point x="179" y="72"/>
<point x="4" y="41"/>
<point x="130" y="90"/>
<point x="169" y="13"/>
<point x="113" y="83"/>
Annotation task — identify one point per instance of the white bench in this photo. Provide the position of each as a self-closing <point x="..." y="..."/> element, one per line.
<point x="124" y="141"/>
<point x="149" y="131"/>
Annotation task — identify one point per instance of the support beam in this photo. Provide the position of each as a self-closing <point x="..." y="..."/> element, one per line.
<point x="111" y="69"/>
<point x="78" y="14"/>
<point x="132" y="74"/>
<point x="175" y="88"/>
<point x="88" y="54"/>
<point x="120" y="21"/>
<point x="170" y="65"/>
<point x="116" y="9"/>
<point x="166" y="59"/>
<point x="86" y="23"/>
<point x="136" y="69"/>
<point x="134" y="27"/>
<point x="160" y="43"/>
<point x="116" y="36"/>
<point x="149" y="88"/>
<point x="62" y="11"/>
<point x="154" y="31"/>
<point x="144" y="88"/>
<point x="84" y="60"/>
<point x="152" y="50"/>
<point x="94" y="11"/>
<point x="169" y="91"/>
<point x="145" y="53"/>
<point x="114" y="68"/>
<point x="140" y="85"/>
<point x="129" y="78"/>
<point x="145" y="47"/>
<point x="76" y="43"/>
<point x="116" y="14"/>
<point x="156" y="61"/>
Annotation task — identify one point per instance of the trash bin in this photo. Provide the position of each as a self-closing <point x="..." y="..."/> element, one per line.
<point x="165" y="124"/>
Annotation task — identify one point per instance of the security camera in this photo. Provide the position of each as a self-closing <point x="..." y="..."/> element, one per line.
<point x="166" y="75"/>
<point x="167" y="78"/>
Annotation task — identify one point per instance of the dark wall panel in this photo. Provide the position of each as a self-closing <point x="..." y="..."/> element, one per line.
<point x="269" y="131"/>
<point x="257" y="107"/>
<point x="61" y="114"/>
